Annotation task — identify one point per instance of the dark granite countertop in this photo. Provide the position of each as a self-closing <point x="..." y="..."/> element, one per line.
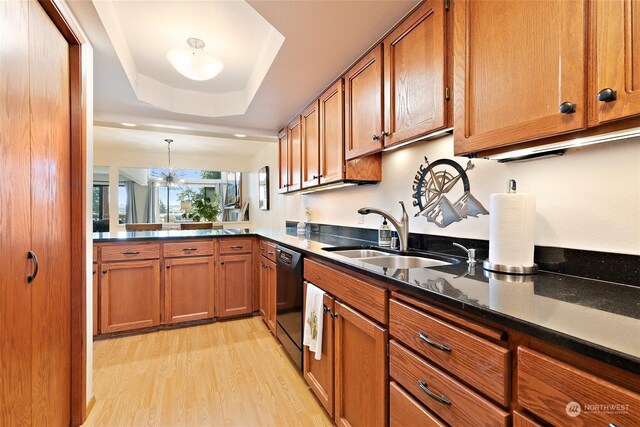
<point x="595" y="318"/>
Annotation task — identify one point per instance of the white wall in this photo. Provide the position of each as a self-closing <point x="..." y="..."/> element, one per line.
<point x="274" y="217"/>
<point x="587" y="199"/>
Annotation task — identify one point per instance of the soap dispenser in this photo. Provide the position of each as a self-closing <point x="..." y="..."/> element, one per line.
<point x="384" y="234"/>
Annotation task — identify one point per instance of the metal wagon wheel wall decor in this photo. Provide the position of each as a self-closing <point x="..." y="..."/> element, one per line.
<point x="433" y="182"/>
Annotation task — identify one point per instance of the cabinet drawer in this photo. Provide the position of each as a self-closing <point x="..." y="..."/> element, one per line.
<point x="548" y="387"/>
<point x="429" y="384"/>
<point x="369" y="299"/>
<point x="479" y="362"/>
<point x="235" y="246"/>
<point x="405" y="411"/>
<point x="127" y="252"/>
<point x="181" y="249"/>
<point x="268" y="249"/>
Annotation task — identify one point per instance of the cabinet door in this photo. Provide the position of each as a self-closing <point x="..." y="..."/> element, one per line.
<point x="310" y="146"/>
<point x="361" y="370"/>
<point x="130" y="297"/>
<point x="96" y="328"/>
<point x="271" y="295"/>
<point x="188" y="289"/>
<point x="616" y="34"/>
<point x="319" y="373"/>
<point x="332" y="134"/>
<point x="363" y="106"/>
<point x="516" y="62"/>
<point x="264" y="290"/>
<point x="235" y="285"/>
<point x="283" y="162"/>
<point x="414" y="75"/>
<point x="294" y="135"/>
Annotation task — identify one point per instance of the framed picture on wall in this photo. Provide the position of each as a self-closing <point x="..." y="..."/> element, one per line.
<point x="263" y="188"/>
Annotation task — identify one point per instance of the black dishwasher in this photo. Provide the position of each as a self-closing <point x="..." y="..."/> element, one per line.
<point x="289" y="302"/>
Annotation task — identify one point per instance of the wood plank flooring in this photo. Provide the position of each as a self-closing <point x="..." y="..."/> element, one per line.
<point x="231" y="373"/>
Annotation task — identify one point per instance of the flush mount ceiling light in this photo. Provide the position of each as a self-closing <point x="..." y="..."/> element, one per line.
<point x="194" y="63"/>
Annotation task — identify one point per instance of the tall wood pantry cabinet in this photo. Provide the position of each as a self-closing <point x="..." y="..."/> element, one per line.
<point x="35" y="219"/>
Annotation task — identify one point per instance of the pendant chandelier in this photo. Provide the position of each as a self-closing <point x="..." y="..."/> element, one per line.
<point x="169" y="177"/>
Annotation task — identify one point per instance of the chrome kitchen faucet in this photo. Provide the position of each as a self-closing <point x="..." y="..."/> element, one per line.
<point x="402" y="226"/>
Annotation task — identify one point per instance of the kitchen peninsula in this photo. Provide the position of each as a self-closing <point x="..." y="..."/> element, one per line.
<point x="570" y="325"/>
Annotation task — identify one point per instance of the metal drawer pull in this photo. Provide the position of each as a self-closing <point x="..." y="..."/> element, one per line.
<point x="424" y="338"/>
<point x="441" y="399"/>
<point x="325" y="308"/>
<point x="236" y="247"/>
<point x="130" y="253"/>
<point x="190" y="249"/>
<point x="270" y="253"/>
<point x="32" y="256"/>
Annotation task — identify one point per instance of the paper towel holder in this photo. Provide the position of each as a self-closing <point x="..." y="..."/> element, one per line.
<point x="510" y="269"/>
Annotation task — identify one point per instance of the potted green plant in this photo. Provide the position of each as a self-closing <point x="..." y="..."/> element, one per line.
<point x="203" y="208"/>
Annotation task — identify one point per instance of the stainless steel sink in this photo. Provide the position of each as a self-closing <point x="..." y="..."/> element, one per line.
<point x="402" y="261"/>
<point x="360" y="253"/>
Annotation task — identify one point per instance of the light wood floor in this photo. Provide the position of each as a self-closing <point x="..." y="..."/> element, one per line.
<point x="231" y="373"/>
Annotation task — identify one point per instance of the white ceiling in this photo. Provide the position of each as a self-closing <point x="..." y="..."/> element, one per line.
<point x="321" y="39"/>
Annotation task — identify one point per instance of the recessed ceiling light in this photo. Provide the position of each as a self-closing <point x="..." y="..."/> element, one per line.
<point x="128" y="124"/>
<point x="240" y="135"/>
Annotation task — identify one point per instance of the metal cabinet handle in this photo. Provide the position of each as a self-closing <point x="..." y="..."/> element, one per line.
<point x="325" y="308"/>
<point x="168" y="267"/>
<point x="384" y="133"/>
<point x="190" y="249"/>
<point x="424" y="338"/>
<point x="567" y="107"/>
<point x="105" y="271"/>
<point x="375" y="137"/>
<point x="607" y="95"/>
<point x="441" y="399"/>
<point x="270" y="253"/>
<point x="221" y="262"/>
<point x="334" y="315"/>
<point x="261" y="249"/>
<point x="130" y="253"/>
<point x="237" y="247"/>
<point x="32" y="256"/>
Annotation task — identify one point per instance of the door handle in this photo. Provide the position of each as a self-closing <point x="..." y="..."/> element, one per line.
<point x="32" y="256"/>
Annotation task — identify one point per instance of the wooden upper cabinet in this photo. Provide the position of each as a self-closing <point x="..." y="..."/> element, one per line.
<point x="615" y="31"/>
<point x="283" y="161"/>
<point x="414" y="75"/>
<point x="310" y="140"/>
<point x="294" y="149"/>
<point x="516" y="62"/>
<point x="332" y="133"/>
<point x="363" y="106"/>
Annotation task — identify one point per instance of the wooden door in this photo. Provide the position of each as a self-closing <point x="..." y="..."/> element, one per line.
<point x="49" y="98"/>
<point x="234" y="290"/>
<point x="188" y="289"/>
<point x="615" y="31"/>
<point x="283" y="162"/>
<point x="332" y="133"/>
<point x="364" y="120"/>
<point x="310" y="146"/>
<point x="294" y="135"/>
<point x="361" y="370"/>
<point x="415" y="75"/>
<point x="96" y="294"/>
<point x="515" y="64"/>
<point x="130" y="295"/>
<point x="271" y="294"/>
<point x="319" y="373"/>
<point x="15" y="216"/>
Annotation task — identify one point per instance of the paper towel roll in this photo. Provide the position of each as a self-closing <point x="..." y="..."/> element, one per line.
<point x="511" y="229"/>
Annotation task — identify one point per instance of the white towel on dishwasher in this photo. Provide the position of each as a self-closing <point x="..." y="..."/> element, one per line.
<point x="313" y="320"/>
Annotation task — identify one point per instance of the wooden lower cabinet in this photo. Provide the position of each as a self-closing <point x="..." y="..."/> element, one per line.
<point x="96" y="277"/>
<point x="350" y="379"/>
<point x="405" y="411"/>
<point x="268" y="292"/>
<point x="130" y="295"/>
<point x="188" y="289"/>
<point x="235" y="285"/>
